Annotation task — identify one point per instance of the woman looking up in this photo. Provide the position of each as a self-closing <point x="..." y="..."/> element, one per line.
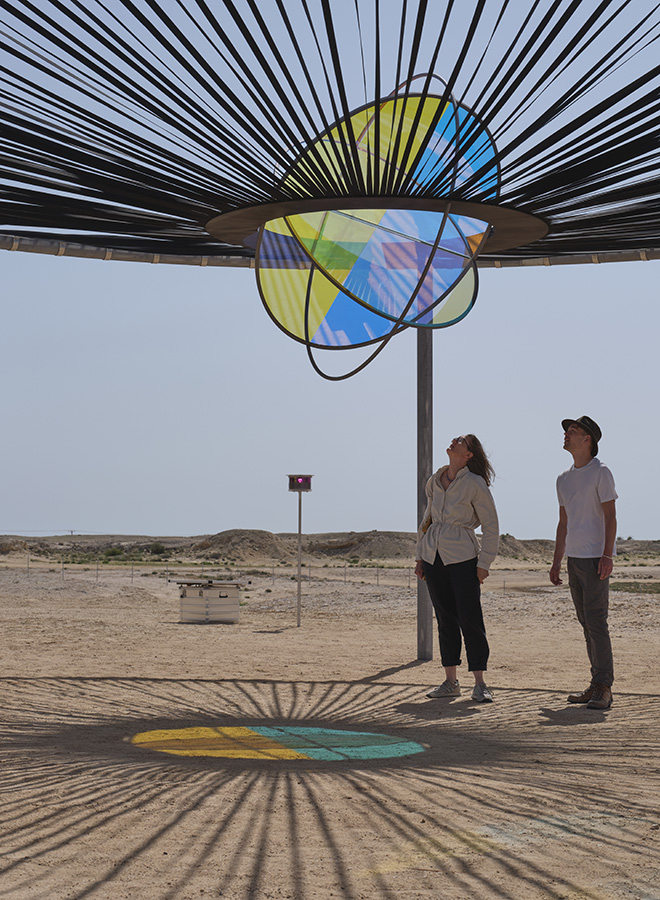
<point x="453" y="565"/>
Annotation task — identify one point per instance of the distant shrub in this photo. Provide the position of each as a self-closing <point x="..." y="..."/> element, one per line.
<point x="9" y="546"/>
<point x="157" y="549"/>
<point x="634" y="587"/>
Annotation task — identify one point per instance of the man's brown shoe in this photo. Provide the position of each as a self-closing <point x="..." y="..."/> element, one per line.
<point x="584" y="697"/>
<point x="601" y="697"/>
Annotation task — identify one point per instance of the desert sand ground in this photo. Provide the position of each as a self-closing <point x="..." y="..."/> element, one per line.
<point x="521" y="799"/>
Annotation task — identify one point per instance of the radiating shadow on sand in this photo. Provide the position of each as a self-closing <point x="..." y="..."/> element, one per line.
<point x="460" y="819"/>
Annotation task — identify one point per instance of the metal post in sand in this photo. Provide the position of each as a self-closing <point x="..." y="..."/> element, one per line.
<point x="299" y="607"/>
<point x="424" y="471"/>
<point x="300" y="484"/>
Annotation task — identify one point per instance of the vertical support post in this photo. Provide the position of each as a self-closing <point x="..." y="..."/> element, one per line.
<point x="424" y="471"/>
<point x="299" y="555"/>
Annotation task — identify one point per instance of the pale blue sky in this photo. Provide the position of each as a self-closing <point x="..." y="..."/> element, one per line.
<point x="162" y="400"/>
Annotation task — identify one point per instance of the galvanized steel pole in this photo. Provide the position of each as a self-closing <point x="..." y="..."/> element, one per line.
<point x="424" y="471"/>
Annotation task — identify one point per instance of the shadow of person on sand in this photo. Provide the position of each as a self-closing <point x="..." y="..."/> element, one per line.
<point x="573" y="715"/>
<point x="392" y="670"/>
<point x="447" y="708"/>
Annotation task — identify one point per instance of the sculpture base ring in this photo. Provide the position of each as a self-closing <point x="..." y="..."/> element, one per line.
<point x="510" y="227"/>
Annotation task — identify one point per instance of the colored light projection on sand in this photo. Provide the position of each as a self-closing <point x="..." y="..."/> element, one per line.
<point x="276" y="743"/>
<point x="346" y="278"/>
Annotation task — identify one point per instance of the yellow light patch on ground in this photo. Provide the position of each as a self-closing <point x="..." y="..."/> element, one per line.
<point x="236" y="743"/>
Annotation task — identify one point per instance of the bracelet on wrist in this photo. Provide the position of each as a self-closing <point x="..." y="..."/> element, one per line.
<point x="605" y="556"/>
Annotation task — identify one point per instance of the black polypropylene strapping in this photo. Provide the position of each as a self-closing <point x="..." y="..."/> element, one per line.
<point x="130" y="123"/>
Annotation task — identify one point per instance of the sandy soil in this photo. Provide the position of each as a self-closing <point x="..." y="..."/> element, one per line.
<point x="521" y="799"/>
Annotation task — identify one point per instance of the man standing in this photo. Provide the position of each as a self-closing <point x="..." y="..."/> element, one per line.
<point x="586" y="534"/>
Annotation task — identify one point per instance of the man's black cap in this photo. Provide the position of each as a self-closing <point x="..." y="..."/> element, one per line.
<point x="587" y="424"/>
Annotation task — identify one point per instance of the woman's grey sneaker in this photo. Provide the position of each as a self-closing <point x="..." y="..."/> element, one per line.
<point x="482" y="694"/>
<point x="446" y="689"/>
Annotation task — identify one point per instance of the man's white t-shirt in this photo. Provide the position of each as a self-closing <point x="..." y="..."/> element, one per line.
<point x="582" y="492"/>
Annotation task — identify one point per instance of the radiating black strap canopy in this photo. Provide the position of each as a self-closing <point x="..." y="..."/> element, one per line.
<point x="128" y="124"/>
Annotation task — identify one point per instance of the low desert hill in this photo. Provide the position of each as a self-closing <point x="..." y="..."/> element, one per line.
<point x="254" y="545"/>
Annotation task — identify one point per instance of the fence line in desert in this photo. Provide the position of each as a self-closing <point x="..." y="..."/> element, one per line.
<point x="101" y="570"/>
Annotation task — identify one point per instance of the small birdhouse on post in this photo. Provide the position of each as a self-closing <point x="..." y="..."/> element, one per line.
<point x="300" y="484"/>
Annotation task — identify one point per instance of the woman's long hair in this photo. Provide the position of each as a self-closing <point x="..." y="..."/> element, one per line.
<point x="479" y="462"/>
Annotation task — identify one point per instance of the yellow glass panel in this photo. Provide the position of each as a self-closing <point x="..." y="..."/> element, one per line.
<point x="457" y="302"/>
<point x="284" y="291"/>
<point x="397" y="119"/>
<point x="324" y="156"/>
<point x="279" y="226"/>
<point x="373" y="216"/>
<point x="359" y="120"/>
<point x="304" y="225"/>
